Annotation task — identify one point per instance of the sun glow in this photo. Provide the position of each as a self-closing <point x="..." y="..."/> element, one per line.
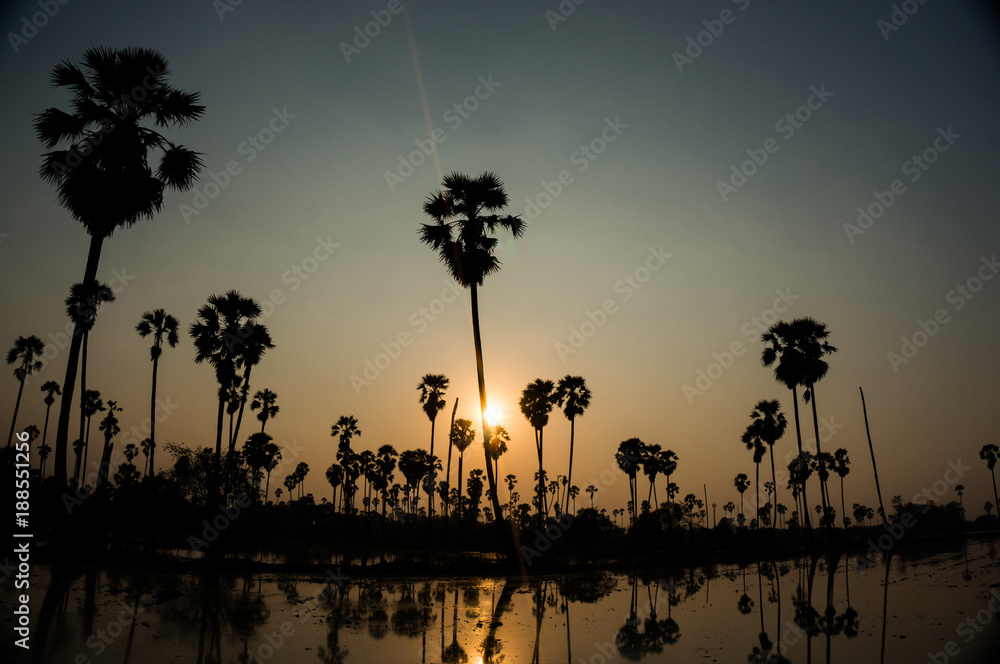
<point x="493" y="415"/>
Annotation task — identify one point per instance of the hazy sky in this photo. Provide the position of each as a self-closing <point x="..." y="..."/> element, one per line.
<point x="647" y="113"/>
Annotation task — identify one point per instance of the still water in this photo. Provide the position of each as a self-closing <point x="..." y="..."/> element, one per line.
<point x="935" y="606"/>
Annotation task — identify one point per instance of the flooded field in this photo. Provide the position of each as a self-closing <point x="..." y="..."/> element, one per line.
<point x="933" y="606"/>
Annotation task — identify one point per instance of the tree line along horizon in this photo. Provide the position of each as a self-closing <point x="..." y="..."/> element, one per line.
<point x="104" y="177"/>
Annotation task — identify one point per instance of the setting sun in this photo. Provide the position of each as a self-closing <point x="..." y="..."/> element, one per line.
<point x="493" y="415"/>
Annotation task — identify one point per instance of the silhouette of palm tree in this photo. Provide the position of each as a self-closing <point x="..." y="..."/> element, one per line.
<point x="109" y="425"/>
<point x="781" y="348"/>
<point x="256" y="454"/>
<point x="627" y="458"/>
<point x="335" y="476"/>
<point x="159" y="324"/>
<point x="537" y="401"/>
<point x="591" y="489"/>
<point x="960" y="490"/>
<point x="742" y="483"/>
<point x="842" y="466"/>
<point x="220" y="326"/>
<point x="651" y="467"/>
<point x="432" y="387"/>
<point x="82" y="305"/>
<point x="266" y="402"/>
<point x="989" y="454"/>
<point x="768" y="426"/>
<point x="465" y="215"/>
<point x="345" y="429"/>
<point x="385" y="464"/>
<point x="51" y="388"/>
<point x="104" y="178"/>
<point x="573" y="396"/>
<point x="812" y="337"/>
<point x="27" y="354"/>
<point x="462" y="435"/>
<point x="498" y="446"/>
<point x="90" y="406"/>
<point x="43" y="453"/>
<point x="255" y="341"/>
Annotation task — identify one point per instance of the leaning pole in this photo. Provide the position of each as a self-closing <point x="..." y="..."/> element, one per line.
<point x="872" y="450"/>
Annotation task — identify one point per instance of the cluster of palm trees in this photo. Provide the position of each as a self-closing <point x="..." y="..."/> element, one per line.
<point x="110" y="171"/>
<point x="634" y="455"/>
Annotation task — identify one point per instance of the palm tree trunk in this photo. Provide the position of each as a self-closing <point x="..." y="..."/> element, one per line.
<point x="774" y="481"/>
<point x="243" y="402"/>
<point x="447" y="476"/>
<point x="459" y="505"/>
<point x="757" y="498"/>
<point x="65" y="407"/>
<point x="569" y="473"/>
<point x="45" y="429"/>
<point x="17" y="406"/>
<point x="996" y="502"/>
<point x="501" y="525"/>
<point x="798" y="440"/>
<point x="218" y="426"/>
<point x="430" y="496"/>
<point x="152" y="421"/>
<point x="872" y="450"/>
<point x="819" y="454"/>
<point x="82" y="471"/>
<point x="843" y="508"/>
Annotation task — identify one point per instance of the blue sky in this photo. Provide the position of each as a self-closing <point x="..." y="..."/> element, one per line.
<point x="555" y="92"/>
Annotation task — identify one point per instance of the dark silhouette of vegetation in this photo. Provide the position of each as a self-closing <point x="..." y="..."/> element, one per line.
<point x="27" y="355"/>
<point x="104" y="176"/>
<point x="464" y="211"/>
<point x="162" y="326"/>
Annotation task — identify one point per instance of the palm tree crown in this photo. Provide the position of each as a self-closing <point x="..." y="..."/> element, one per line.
<point x="104" y="177"/>
<point x="462" y="234"/>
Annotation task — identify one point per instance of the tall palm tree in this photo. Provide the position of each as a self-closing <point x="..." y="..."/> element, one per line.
<point x="668" y="466"/>
<point x="256" y="453"/>
<point x="343" y="430"/>
<point x="266" y="402"/>
<point x="989" y="454"/>
<point x="536" y="403"/>
<point x="109" y="425"/>
<point x="335" y="476"/>
<point x="27" y="355"/>
<point x="768" y="426"/>
<point x="385" y="462"/>
<point x="591" y="489"/>
<point x="751" y="438"/>
<point x="782" y="349"/>
<point x="960" y="490"/>
<point x="273" y="456"/>
<point x="742" y="483"/>
<point x="842" y="466"/>
<point x="82" y="305"/>
<point x="92" y="403"/>
<point x="462" y="435"/>
<point x="651" y="467"/>
<point x="43" y="453"/>
<point x="255" y="340"/>
<point x="447" y="471"/>
<point x="104" y="176"/>
<point x="51" y="388"/>
<point x="627" y="458"/>
<point x="812" y="337"/>
<point x="464" y="212"/>
<point x="573" y="396"/>
<point x="498" y="446"/>
<point x="217" y="331"/>
<point x="161" y="325"/>
<point x="432" y="387"/>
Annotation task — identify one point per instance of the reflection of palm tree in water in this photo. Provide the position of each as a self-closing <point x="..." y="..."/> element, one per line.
<point x="492" y="646"/>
